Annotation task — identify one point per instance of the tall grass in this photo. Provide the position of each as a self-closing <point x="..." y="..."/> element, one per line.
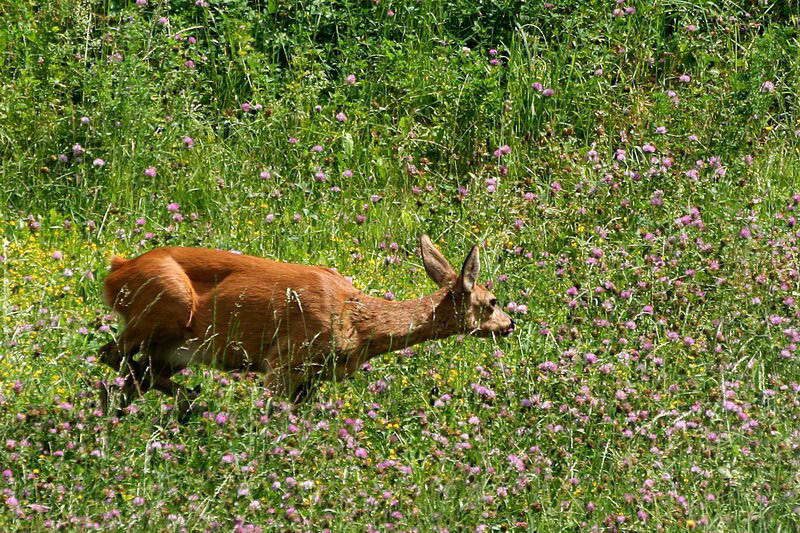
<point x="653" y="382"/>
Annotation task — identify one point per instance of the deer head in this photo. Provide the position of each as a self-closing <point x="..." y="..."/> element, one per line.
<point x="473" y="308"/>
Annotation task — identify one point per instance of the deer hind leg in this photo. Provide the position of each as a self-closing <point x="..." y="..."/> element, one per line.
<point x="133" y="386"/>
<point x="151" y="371"/>
<point x="159" y="366"/>
<point x="157" y="301"/>
<point x="292" y="386"/>
<point x="305" y="391"/>
<point x="119" y="355"/>
<point x="184" y="397"/>
<point x="136" y="383"/>
<point x="128" y="344"/>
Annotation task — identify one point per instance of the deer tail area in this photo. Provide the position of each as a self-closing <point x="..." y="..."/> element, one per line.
<point x="117" y="262"/>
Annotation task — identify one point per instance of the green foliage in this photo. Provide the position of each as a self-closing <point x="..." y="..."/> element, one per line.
<point x="643" y="215"/>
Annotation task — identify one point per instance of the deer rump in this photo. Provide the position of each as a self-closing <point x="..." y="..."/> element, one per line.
<point x="227" y="310"/>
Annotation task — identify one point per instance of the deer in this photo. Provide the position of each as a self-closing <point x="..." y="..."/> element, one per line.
<point x="295" y="324"/>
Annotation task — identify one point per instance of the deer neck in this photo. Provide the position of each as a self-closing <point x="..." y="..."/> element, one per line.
<point x="383" y="325"/>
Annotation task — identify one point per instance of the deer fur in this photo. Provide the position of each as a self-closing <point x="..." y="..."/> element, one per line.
<point x="293" y="323"/>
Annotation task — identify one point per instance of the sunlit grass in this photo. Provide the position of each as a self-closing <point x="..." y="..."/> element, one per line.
<point x="632" y="178"/>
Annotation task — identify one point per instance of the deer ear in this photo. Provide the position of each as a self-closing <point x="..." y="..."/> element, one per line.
<point x="437" y="267"/>
<point x="470" y="270"/>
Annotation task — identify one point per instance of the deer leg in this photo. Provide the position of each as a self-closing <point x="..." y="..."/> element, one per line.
<point x="138" y="382"/>
<point x="184" y="397"/>
<point x="109" y="355"/>
<point x="304" y="391"/>
<point x="112" y="355"/>
<point x="135" y="385"/>
<point x="119" y="356"/>
<point x="277" y="375"/>
<point x="160" y="372"/>
<point x="130" y="342"/>
<point x="140" y="376"/>
<point x="132" y="387"/>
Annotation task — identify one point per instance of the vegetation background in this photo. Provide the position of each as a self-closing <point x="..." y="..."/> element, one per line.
<point x="630" y="169"/>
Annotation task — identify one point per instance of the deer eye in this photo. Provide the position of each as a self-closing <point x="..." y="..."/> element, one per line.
<point x="493" y="302"/>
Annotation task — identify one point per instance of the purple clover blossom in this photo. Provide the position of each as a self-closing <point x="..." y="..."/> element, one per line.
<point x="483" y="391"/>
<point x="516" y="462"/>
<point x="548" y="366"/>
<point x="775" y="320"/>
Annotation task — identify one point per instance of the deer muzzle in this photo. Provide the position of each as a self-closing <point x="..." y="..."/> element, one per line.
<point x="510" y="329"/>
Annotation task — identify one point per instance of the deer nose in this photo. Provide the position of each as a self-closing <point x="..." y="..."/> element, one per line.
<point x="510" y="329"/>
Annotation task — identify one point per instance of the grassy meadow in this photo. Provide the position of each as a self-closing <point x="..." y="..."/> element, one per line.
<point x="630" y="170"/>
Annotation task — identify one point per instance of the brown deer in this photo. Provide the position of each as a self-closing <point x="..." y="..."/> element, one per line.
<point x="294" y="323"/>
